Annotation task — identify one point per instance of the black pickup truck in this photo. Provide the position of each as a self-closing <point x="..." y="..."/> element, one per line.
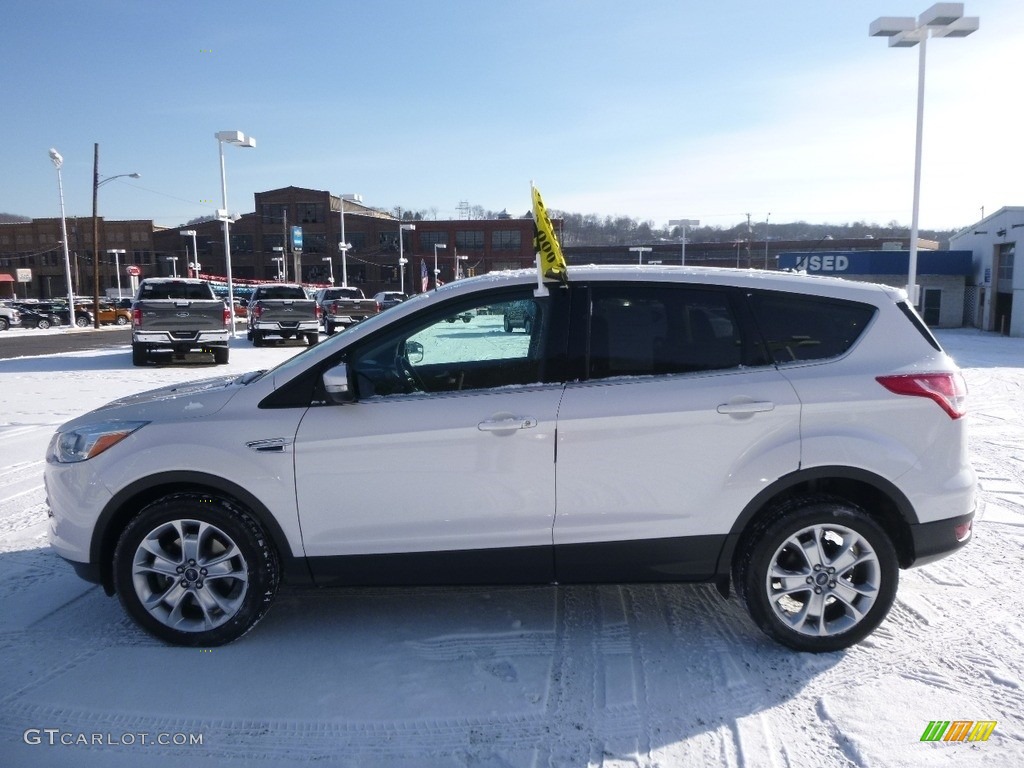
<point x="282" y="310"/>
<point x="173" y="316"/>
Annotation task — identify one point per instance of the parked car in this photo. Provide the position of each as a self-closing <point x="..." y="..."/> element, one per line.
<point x="800" y="439"/>
<point x="388" y="299"/>
<point x="519" y="314"/>
<point x="33" y="316"/>
<point x="282" y="311"/>
<point x="108" y="314"/>
<point x="9" y="317"/>
<point x="343" y="306"/>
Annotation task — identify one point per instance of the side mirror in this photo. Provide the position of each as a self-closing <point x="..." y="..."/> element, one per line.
<point x="336" y="385"/>
<point x="414" y="352"/>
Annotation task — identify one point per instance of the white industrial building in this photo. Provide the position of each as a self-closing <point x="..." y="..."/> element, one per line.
<point x="998" y="301"/>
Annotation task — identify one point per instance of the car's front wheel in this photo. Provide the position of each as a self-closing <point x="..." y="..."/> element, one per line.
<point x="818" y="574"/>
<point x="195" y="570"/>
<point x="43" y="323"/>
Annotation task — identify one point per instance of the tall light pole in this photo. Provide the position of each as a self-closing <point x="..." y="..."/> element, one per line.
<point x="941" y="20"/>
<point x="684" y="223"/>
<point x="330" y="265"/>
<point x="117" y="269"/>
<point x="58" y="161"/>
<point x="239" y="139"/>
<point x="436" y="270"/>
<point x="402" y="261"/>
<point x="344" y="245"/>
<point x="281" y="265"/>
<point x="195" y="251"/>
<point x="766" y="217"/>
<point x="640" y="250"/>
<point x="173" y="260"/>
<point x="344" y="248"/>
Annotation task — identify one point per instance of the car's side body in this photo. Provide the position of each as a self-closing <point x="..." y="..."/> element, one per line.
<point x="652" y="426"/>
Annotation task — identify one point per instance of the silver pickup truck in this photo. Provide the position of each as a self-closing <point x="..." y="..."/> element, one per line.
<point x="284" y="310"/>
<point x="173" y="316"/>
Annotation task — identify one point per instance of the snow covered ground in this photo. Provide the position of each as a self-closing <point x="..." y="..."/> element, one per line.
<point x="583" y="676"/>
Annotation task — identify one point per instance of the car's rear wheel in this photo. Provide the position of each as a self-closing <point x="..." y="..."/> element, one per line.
<point x="140" y="356"/>
<point x="818" y="574"/>
<point x="195" y="570"/>
<point x="4" y="325"/>
<point x="507" y="325"/>
<point x="43" y="323"/>
<point x="82" y="321"/>
<point x="312" y="338"/>
<point x="220" y="355"/>
<point x="121" y="320"/>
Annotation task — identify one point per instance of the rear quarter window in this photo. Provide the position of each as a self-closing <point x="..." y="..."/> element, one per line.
<point x="798" y="328"/>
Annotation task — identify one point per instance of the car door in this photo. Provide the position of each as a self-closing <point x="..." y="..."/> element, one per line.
<point x="446" y="458"/>
<point x="678" y="424"/>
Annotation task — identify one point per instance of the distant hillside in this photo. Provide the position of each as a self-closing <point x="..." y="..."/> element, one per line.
<point x="13" y="218"/>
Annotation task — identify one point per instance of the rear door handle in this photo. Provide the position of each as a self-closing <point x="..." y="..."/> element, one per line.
<point x="505" y="425"/>
<point x="741" y="409"/>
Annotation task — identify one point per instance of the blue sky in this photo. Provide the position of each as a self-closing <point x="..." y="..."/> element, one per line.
<point x="666" y="109"/>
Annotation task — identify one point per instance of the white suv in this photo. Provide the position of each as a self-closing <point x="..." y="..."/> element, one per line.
<point x="798" y="437"/>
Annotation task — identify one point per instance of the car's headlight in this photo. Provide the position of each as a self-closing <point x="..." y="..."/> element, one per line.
<point x="90" y="440"/>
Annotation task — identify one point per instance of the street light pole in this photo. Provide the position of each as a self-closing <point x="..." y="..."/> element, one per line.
<point x="684" y="223"/>
<point x="239" y="139"/>
<point x="195" y="251"/>
<point x="767" y="216"/>
<point x="344" y="245"/>
<point x="940" y="20"/>
<point x="58" y="161"/>
<point x="436" y="270"/>
<point x="401" y="251"/>
<point x="174" y="265"/>
<point x="117" y="268"/>
<point x="330" y="265"/>
<point x="640" y="250"/>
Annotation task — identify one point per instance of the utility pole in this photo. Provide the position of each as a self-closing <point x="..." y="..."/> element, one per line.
<point x="95" y="236"/>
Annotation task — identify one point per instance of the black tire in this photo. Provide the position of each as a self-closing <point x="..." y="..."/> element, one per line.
<point x="329" y="328"/>
<point x="528" y="326"/>
<point x="83" y="321"/>
<point x="220" y="355"/>
<point x="800" y="602"/>
<point x="140" y="356"/>
<point x="507" y="325"/>
<point x="43" y="323"/>
<point x="466" y="319"/>
<point x="257" y="339"/>
<point x="121" y="320"/>
<point x="312" y="338"/>
<point x="160" y="577"/>
<point x="4" y="325"/>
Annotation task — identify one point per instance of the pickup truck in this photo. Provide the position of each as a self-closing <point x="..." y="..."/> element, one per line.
<point x="172" y="316"/>
<point x="344" y="306"/>
<point x="282" y="309"/>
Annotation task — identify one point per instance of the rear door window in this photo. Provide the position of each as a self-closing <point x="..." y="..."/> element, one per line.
<point x="799" y="328"/>
<point x="638" y="329"/>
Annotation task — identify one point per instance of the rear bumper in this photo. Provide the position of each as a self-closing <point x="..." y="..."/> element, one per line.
<point x="933" y="541"/>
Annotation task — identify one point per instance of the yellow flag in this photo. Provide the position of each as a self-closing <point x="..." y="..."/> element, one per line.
<point x="552" y="262"/>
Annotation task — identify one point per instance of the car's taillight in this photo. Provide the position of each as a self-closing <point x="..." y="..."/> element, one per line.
<point x="256" y="311"/>
<point x="947" y="389"/>
<point x="318" y="312"/>
<point x="136" y="317"/>
<point x="227" y="315"/>
<point x="334" y="307"/>
<point x="380" y="307"/>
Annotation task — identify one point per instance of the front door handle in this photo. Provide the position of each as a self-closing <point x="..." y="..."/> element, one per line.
<point x="742" y="409"/>
<point x="508" y="424"/>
